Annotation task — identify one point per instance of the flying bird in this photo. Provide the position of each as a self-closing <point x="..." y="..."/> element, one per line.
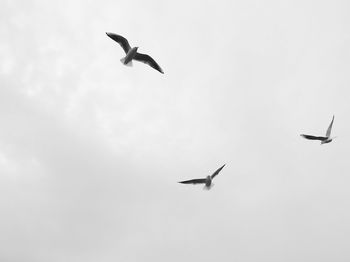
<point x="132" y="54"/>
<point x="207" y="181"/>
<point x="324" y="139"/>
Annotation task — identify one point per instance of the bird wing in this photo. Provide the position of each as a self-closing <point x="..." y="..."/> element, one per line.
<point x="217" y="172"/>
<point x="321" y="138"/>
<point x="120" y="40"/>
<point x="148" y="60"/>
<point x="330" y="128"/>
<point x="194" y="181"/>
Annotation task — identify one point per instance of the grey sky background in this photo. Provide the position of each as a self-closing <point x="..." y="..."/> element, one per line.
<point x="91" y="150"/>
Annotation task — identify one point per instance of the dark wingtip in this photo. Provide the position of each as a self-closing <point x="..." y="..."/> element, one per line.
<point x="222" y="167"/>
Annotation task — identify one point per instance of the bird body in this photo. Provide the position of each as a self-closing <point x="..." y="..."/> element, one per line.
<point x="127" y="60"/>
<point x="328" y="140"/>
<point x="207" y="181"/>
<point x="324" y="139"/>
<point x="132" y="54"/>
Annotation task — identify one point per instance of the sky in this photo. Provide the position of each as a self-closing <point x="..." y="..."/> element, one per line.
<point x="91" y="150"/>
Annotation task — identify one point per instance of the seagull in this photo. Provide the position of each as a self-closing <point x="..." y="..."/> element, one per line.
<point x="207" y="181"/>
<point x="324" y="139"/>
<point x="132" y="54"/>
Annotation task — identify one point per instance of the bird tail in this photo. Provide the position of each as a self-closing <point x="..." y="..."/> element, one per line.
<point x="123" y="61"/>
<point x="208" y="187"/>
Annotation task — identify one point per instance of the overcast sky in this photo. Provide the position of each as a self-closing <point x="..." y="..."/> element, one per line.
<point x="91" y="150"/>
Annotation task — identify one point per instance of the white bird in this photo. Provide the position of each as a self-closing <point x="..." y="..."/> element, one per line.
<point x="132" y="54"/>
<point x="324" y="139"/>
<point x="207" y="181"/>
